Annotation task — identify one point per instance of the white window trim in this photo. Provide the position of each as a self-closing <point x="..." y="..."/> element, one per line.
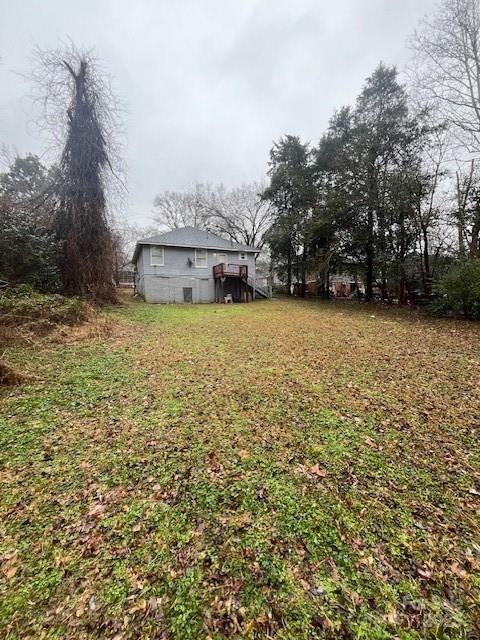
<point x="242" y="253"/>
<point x="201" y="266"/>
<point x="157" y="264"/>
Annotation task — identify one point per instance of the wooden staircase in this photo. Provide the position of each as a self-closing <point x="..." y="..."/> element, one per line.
<point x="260" y="291"/>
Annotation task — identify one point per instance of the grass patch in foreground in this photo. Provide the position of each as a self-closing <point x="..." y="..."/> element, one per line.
<point x="276" y="470"/>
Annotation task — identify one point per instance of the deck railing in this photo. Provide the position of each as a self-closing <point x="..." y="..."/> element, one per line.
<point x="223" y="270"/>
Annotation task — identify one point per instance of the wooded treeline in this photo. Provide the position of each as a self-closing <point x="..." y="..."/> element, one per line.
<point x="367" y="200"/>
<point x="391" y="193"/>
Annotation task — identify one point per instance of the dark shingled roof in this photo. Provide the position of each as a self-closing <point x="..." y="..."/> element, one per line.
<point x="194" y="238"/>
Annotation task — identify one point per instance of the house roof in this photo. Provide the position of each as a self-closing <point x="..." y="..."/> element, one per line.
<point x="193" y="238"/>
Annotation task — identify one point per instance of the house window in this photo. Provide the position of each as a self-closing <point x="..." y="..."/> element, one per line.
<point x="242" y="255"/>
<point x="200" y="257"/>
<point x="157" y="256"/>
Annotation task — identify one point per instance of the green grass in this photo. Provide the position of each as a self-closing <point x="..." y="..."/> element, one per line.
<point x="285" y="470"/>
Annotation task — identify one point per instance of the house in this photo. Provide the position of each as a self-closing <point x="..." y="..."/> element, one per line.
<point x="344" y="285"/>
<point x="341" y="285"/>
<point x="193" y="265"/>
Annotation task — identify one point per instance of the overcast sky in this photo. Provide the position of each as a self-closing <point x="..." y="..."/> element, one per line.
<point x="207" y="84"/>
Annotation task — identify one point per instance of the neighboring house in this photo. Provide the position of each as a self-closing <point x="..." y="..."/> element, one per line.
<point x="342" y="285"/>
<point x="192" y="265"/>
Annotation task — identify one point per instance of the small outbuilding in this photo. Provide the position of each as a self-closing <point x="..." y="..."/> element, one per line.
<point x="190" y="265"/>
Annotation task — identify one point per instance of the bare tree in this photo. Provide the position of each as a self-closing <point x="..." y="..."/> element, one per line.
<point x="446" y="73"/>
<point x="467" y="211"/>
<point x="429" y="201"/>
<point x="81" y="112"/>
<point x="238" y="214"/>
<point x="446" y="67"/>
<point x="125" y="236"/>
<point x="175" y="209"/>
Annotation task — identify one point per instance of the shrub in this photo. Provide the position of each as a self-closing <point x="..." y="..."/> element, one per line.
<point x="28" y="251"/>
<point x="22" y="305"/>
<point x="25" y="313"/>
<point x="459" y="290"/>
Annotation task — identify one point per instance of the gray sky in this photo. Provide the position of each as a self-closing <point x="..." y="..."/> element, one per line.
<point x="208" y="84"/>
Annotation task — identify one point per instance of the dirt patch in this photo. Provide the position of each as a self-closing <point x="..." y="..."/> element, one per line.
<point x="9" y="377"/>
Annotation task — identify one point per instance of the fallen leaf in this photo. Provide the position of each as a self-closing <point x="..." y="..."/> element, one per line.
<point x="96" y="510"/>
<point x="458" y="570"/>
<point x="392" y="617"/>
<point x="317" y="471"/>
<point x="424" y="573"/>
<point x="243" y="519"/>
<point x="9" y="571"/>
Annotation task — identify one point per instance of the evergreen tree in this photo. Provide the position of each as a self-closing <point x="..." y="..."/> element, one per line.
<point x="366" y="167"/>
<point x="29" y="251"/>
<point x="292" y="194"/>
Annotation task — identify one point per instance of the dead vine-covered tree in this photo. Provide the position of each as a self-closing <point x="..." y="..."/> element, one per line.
<point x="77" y="96"/>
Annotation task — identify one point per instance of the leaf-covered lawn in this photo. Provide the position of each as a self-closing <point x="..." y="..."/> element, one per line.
<point x="283" y="469"/>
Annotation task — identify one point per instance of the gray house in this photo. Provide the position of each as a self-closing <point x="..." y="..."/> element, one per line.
<point x="192" y="265"/>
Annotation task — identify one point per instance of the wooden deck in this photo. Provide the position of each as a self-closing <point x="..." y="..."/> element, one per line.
<point x="230" y="271"/>
<point x="231" y="279"/>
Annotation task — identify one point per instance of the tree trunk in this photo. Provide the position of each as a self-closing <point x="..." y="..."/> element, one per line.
<point x="475" y="241"/>
<point x="461" y="244"/>
<point x="303" y="286"/>
<point x="462" y="199"/>
<point x="426" y="270"/>
<point x="289" y="272"/>
<point x="372" y="202"/>
<point x="370" y="257"/>
<point x="403" y="298"/>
